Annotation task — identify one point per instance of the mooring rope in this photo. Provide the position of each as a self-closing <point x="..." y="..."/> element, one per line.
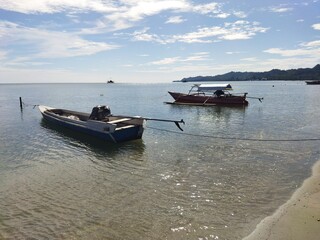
<point x="237" y="138"/>
<point x="28" y="105"/>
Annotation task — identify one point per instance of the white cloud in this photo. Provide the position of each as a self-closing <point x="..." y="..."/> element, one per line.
<point x="200" y="56"/>
<point x="21" y="75"/>
<point x="54" y="6"/>
<point x="289" y="53"/>
<point x="316" y="26"/>
<point x="214" y="9"/>
<point x="201" y="35"/>
<point x="231" y="53"/>
<point x="207" y="8"/>
<point x="120" y="14"/>
<point x="280" y="9"/>
<point x="222" y="15"/>
<point x="130" y="12"/>
<point x="311" y="44"/>
<point x="142" y="35"/>
<point x="252" y="59"/>
<point x="175" y="19"/>
<point x="238" y="30"/>
<point x="267" y="65"/>
<point x="240" y="14"/>
<point x="165" y="61"/>
<point x="40" y="43"/>
<point x="250" y="66"/>
<point x="133" y="11"/>
<point x="237" y="36"/>
<point x="115" y="15"/>
<point x="308" y="49"/>
<point x="286" y="63"/>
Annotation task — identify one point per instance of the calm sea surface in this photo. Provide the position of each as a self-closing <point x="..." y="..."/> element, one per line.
<point x="55" y="184"/>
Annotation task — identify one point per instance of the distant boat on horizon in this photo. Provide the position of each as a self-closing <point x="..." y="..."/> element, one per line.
<point x="312" y="82"/>
<point x="110" y="81"/>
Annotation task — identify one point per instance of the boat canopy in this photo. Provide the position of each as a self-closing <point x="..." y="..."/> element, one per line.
<point x="212" y="87"/>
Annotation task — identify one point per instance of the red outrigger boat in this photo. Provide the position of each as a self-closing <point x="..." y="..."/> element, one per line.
<point x="209" y="94"/>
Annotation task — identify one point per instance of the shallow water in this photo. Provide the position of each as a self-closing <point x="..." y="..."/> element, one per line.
<point x="168" y="185"/>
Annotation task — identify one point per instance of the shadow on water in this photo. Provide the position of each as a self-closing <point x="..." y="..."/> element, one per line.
<point x="96" y="146"/>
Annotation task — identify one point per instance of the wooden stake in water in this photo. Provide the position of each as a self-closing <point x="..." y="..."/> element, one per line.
<point x="20" y="103"/>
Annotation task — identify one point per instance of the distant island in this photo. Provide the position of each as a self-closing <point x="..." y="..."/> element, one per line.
<point x="275" y="74"/>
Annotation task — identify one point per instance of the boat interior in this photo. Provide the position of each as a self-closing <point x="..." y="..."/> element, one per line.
<point x="102" y="114"/>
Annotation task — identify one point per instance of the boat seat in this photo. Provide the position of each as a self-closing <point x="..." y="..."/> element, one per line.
<point x="120" y="120"/>
<point x="124" y="127"/>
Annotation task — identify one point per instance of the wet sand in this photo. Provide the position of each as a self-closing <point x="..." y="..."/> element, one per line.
<point x="299" y="218"/>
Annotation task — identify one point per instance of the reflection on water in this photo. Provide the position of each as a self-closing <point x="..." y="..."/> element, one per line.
<point x="216" y="119"/>
<point x="97" y="147"/>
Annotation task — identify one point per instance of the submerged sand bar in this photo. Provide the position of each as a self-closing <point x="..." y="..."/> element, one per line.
<point x="299" y="218"/>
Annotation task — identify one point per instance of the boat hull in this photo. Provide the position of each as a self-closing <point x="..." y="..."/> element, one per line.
<point x="203" y="100"/>
<point x="313" y="82"/>
<point x="97" y="129"/>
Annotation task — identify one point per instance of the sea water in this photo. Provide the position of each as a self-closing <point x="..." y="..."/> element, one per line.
<point x="215" y="180"/>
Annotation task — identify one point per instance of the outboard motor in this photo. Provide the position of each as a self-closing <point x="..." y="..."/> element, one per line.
<point x="100" y="112"/>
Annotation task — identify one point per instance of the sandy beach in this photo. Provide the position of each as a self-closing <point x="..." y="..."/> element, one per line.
<point x="297" y="219"/>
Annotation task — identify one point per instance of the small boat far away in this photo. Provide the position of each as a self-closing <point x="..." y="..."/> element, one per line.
<point x="209" y="95"/>
<point x="313" y="82"/>
<point x="100" y="123"/>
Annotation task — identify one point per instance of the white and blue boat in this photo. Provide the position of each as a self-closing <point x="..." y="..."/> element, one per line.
<point x="100" y="123"/>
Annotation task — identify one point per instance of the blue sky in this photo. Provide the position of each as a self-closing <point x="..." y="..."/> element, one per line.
<point x="150" y="41"/>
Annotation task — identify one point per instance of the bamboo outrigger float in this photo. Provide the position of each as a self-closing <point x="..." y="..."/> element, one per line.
<point x="100" y="123"/>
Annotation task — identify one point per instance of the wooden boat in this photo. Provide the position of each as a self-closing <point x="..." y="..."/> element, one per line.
<point x="100" y="123"/>
<point x="313" y="82"/>
<point x="209" y="94"/>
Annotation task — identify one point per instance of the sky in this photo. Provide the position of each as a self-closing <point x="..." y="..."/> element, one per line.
<point x="151" y="41"/>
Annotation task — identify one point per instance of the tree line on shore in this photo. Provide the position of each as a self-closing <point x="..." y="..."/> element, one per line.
<point x="275" y="74"/>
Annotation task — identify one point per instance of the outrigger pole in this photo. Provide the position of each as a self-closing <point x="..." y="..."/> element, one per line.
<point x="166" y="120"/>
<point x="260" y="99"/>
<point x="176" y="122"/>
